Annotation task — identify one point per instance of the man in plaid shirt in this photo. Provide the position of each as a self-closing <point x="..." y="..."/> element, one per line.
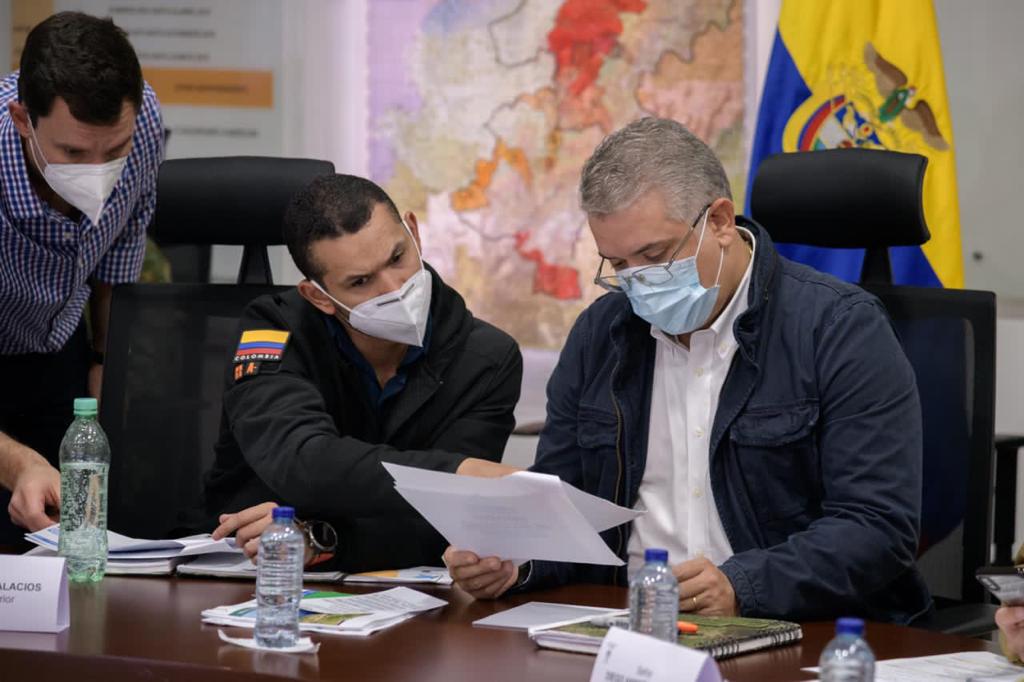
<point x="81" y="140"/>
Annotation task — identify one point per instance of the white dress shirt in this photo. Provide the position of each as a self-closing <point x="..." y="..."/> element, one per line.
<point x="676" y="488"/>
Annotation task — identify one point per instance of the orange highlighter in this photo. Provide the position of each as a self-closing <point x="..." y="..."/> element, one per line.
<point x="686" y="627"/>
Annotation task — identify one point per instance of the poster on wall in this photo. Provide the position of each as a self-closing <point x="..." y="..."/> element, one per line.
<point x="214" y="64"/>
<point x="481" y="115"/>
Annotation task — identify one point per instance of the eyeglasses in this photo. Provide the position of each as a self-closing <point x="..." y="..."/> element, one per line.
<point x="650" y="275"/>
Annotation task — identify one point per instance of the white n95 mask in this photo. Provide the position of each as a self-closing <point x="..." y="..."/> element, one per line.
<point x="399" y="316"/>
<point x="86" y="186"/>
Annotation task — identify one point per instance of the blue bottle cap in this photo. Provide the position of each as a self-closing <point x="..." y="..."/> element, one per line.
<point x="283" y="514"/>
<point x="850" y="626"/>
<point x="654" y="554"/>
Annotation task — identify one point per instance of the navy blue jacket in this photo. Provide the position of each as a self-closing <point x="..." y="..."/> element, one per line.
<point x="815" y="449"/>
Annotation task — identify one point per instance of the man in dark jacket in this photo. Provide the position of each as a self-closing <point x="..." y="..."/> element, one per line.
<point x="371" y="359"/>
<point x="762" y="414"/>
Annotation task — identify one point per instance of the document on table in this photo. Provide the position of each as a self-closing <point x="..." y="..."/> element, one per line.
<point x="240" y="566"/>
<point x="128" y="556"/>
<point x="967" y="666"/>
<point x="395" y="600"/>
<point x="537" y="614"/>
<point x="123" y="547"/>
<point x="336" y="613"/>
<point x="521" y="516"/>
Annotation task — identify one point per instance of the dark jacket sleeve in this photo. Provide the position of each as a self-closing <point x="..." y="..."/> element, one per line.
<point x="484" y="430"/>
<point x="281" y="425"/>
<point x="870" y="450"/>
<point x="286" y="436"/>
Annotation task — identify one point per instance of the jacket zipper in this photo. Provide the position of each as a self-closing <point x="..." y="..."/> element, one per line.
<point x="619" y="461"/>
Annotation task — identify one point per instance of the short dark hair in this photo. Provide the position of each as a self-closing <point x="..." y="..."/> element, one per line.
<point x="86" y="61"/>
<point x="329" y="207"/>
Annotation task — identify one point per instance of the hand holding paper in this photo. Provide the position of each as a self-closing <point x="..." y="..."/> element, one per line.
<point x="494" y="524"/>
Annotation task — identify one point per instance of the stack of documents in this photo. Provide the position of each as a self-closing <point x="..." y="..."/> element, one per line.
<point x="241" y="566"/>
<point x="335" y="613"/>
<point x="234" y="566"/>
<point x="522" y="516"/>
<point x="129" y="556"/>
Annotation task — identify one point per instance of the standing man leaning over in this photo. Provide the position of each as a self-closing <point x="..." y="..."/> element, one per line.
<point x="81" y="140"/>
<point x="761" y="413"/>
<point x="371" y="359"/>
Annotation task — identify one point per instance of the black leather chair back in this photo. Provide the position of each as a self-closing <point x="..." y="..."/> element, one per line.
<point x="234" y="200"/>
<point x="844" y="198"/>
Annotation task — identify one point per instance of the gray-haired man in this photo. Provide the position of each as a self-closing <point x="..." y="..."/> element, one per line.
<point x="762" y="413"/>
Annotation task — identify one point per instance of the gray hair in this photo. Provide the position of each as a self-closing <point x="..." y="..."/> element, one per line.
<point x="648" y="154"/>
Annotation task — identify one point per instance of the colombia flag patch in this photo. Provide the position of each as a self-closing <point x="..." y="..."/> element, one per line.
<point x="261" y="345"/>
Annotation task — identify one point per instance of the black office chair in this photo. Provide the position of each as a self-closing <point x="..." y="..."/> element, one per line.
<point x="234" y="200"/>
<point x="169" y="346"/>
<point x="872" y="199"/>
<point x="168" y="356"/>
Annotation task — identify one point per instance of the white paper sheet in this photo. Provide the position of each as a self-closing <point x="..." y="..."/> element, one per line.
<point x="397" y="600"/>
<point x="522" y="516"/>
<point x="537" y="614"/>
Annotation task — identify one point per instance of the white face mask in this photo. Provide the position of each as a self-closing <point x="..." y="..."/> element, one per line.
<point x="399" y="316"/>
<point x="86" y="186"/>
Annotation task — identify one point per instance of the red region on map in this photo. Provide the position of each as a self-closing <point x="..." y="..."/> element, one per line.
<point x="559" y="281"/>
<point x="585" y="32"/>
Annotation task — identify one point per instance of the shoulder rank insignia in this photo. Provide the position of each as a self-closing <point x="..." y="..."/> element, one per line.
<point x="261" y="345"/>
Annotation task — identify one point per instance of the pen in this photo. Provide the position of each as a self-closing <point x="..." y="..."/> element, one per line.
<point x="686" y="627"/>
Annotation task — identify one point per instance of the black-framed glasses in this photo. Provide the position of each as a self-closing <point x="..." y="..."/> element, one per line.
<point x="652" y="274"/>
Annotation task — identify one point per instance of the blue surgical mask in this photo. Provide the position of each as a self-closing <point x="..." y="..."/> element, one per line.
<point x="680" y="304"/>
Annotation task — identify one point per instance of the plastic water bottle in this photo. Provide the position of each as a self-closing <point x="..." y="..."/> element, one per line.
<point x="654" y="598"/>
<point x="279" y="581"/>
<point x="847" y="658"/>
<point x="84" y="463"/>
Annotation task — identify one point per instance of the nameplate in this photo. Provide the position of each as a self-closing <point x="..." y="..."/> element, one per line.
<point x="33" y="594"/>
<point x="631" y="657"/>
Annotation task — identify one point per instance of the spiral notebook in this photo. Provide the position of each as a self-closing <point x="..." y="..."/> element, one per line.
<point x="718" y="636"/>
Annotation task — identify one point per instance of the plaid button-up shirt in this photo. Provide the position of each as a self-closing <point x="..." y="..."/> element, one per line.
<point x="46" y="258"/>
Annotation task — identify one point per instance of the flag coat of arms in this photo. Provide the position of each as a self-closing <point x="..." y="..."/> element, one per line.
<point x="866" y="75"/>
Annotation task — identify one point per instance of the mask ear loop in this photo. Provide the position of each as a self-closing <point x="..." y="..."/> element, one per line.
<point x="35" y="140"/>
<point x="721" y="256"/>
<point x="324" y="292"/>
<point x="415" y="244"/>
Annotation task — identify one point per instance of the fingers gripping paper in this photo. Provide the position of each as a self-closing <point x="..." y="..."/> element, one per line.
<point x="522" y="516"/>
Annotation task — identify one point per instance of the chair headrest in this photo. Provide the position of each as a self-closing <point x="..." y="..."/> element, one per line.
<point x="842" y="198"/>
<point x="229" y="200"/>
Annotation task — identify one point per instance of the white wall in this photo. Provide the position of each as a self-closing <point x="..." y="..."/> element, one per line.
<point x="985" y="81"/>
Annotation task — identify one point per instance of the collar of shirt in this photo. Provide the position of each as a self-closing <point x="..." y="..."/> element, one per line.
<point x="377" y="394"/>
<point x="730" y="313"/>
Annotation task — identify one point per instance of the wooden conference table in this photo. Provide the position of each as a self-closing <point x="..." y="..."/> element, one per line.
<point x="148" y="629"/>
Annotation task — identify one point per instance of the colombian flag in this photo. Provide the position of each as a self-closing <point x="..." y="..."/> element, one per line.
<point x="866" y="74"/>
<point x="261" y="344"/>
